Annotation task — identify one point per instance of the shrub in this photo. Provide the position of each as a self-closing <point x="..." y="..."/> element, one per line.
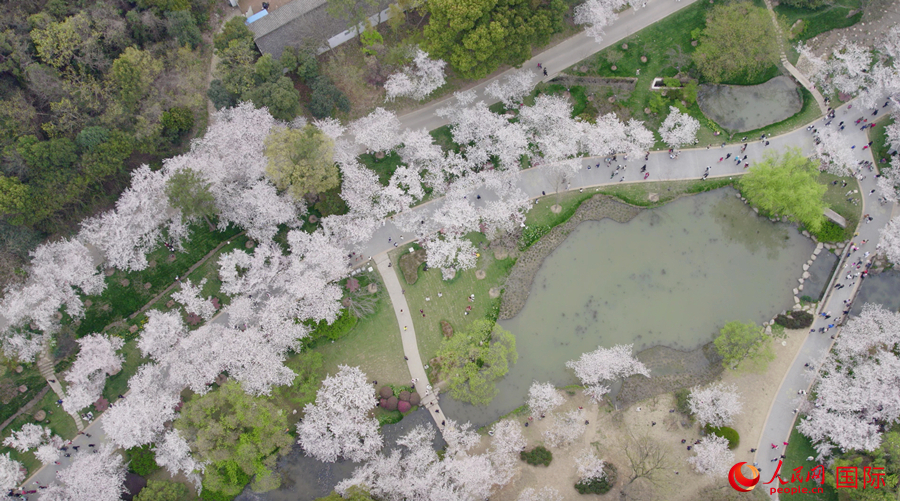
<point x="386" y="392"/>
<point x="219" y="95"/>
<point x="176" y="122"/>
<point x="389" y="417"/>
<point x="537" y="456"/>
<point x="90" y="137"/>
<point x="795" y="320"/>
<point x="344" y="324"/>
<point x="730" y="434"/>
<point x="681" y="401"/>
<point x="142" y="460"/>
<point x="829" y="232"/>
<point x="414" y="398"/>
<point x="404" y="396"/>
<point x="326" y="97"/>
<point x="532" y="234"/>
<point x="598" y="486"/>
<point x="403" y="406"/>
<point x="330" y="202"/>
<point x="391" y="404"/>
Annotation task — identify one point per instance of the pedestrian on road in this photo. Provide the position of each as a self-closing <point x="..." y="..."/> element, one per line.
<point x="545" y="71"/>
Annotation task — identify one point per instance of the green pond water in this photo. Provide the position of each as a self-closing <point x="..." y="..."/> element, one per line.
<point x="672" y="276"/>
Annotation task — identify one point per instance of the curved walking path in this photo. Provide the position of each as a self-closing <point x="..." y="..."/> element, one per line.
<point x="408" y="337"/>
<point x="800" y="77"/>
<point x="781" y="418"/>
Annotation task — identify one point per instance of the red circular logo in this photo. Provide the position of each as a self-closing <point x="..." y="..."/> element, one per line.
<point x="741" y="483"/>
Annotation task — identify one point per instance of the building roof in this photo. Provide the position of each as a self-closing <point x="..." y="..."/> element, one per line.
<point x="283" y="15"/>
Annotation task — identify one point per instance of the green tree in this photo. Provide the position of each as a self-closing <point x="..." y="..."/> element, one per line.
<point x="280" y="97"/>
<point x="234" y="29"/>
<point x="13" y="198"/>
<point x="739" y="41"/>
<point x="189" y="192"/>
<point x="475" y="359"/>
<point x="806" y="4"/>
<point x="132" y="74"/>
<point x="744" y="346"/>
<point x="90" y="137"/>
<point x="307" y="365"/>
<point x="370" y="38"/>
<point x="181" y="26"/>
<point x="163" y="490"/>
<point x="176" y="122"/>
<point x="236" y="67"/>
<point x="477" y="36"/>
<point x="219" y="95"/>
<point x="164" y="5"/>
<point x="142" y="460"/>
<point x="326" y="97"/>
<point x="787" y="185"/>
<point x="355" y="493"/>
<point x="57" y="43"/>
<point x="241" y="436"/>
<point x="107" y="158"/>
<point x="301" y="61"/>
<point x="301" y="161"/>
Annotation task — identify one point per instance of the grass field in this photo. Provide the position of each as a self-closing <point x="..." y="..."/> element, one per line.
<point x="451" y="306"/>
<point x="816" y="21"/>
<point x="799" y="448"/>
<point x="10" y="381"/>
<point x="836" y="198"/>
<point x="120" y="300"/>
<point x="57" y="420"/>
<point x="373" y="345"/>
<point x="880" y="148"/>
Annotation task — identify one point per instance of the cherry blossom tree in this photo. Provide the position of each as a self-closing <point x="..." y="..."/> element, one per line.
<point x="545" y="493"/>
<point x="257" y="208"/>
<point x="97" y="476"/>
<point x="606" y="364"/>
<point x="639" y="138"/>
<point x="715" y="405"/>
<point x="506" y="444"/>
<point x="590" y="466"/>
<point x="126" y="234"/>
<point x="189" y="297"/>
<point x="712" y="456"/>
<point x="514" y="88"/>
<point x="890" y="240"/>
<point x="566" y="428"/>
<point x="834" y="152"/>
<point x="417" y="81"/>
<point x="174" y="454"/>
<point x="543" y="398"/>
<point x="598" y="14"/>
<point x="59" y="271"/>
<point x="12" y="473"/>
<point x="338" y="424"/>
<point x="329" y="126"/>
<point x="678" y="128"/>
<point x="450" y="253"/>
<point x="552" y="129"/>
<point x="97" y="358"/>
<point x="245" y="273"/>
<point x="378" y="131"/>
<point x="855" y="395"/>
<point x="42" y="440"/>
<point x="136" y="420"/>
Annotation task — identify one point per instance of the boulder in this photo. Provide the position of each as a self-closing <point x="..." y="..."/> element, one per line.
<point x="805" y="267"/>
<point x="805" y="274"/>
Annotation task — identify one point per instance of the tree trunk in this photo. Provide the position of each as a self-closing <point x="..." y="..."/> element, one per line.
<point x="209" y="224"/>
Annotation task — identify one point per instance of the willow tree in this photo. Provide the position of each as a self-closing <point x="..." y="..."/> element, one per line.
<point x="474" y="360"/>
<point x="301" y="161"/>
<point x="787" y="185"/>
<point x="739" y="41"/>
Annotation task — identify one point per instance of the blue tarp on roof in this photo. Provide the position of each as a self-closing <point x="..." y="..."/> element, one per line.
<point x="254" y="17"/>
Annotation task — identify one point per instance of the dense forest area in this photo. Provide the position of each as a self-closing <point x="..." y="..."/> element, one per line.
<point x="90" y="89"/>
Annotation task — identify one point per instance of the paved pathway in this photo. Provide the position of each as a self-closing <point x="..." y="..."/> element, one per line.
<point x="790" y="67"/>
<point x="408" y="337"/>
<point x="780" y="420"/>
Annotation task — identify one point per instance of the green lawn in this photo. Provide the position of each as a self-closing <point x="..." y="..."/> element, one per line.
<point x="384" y="167"/>
<point x="880" y="146"/>
<point x="798" y="449"/>
<point x="118" y="384"/>
<point x="373" y="344"/>
<point x="820" y="20"/>
<point x="837" y="199"/>
<point x="10" y="381"/>
<point x="120" y="300"/>
<point x="452" y="305"/>
<point x="57" y="420"/>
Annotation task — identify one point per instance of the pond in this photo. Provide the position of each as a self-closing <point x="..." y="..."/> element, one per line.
<point x="306" y="478"/>
<point x="672" y="276"/>
<point x="747" y="107"/>
<point x="881" y="288"/>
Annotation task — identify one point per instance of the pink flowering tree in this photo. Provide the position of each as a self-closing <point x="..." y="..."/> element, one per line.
<point x="99" y="476"/>
<point x="417" y="81"/>
<point x="715" y="405"/>
<point x="97" y="358"/>
<point x="378" y="131"/>
<point x="190" y="297"/>
<point x="712" y="456"/>
<point x="678" y="128"/>
<point x="31" y="436"/>
<point x="12" y="473"/>
<point x="543" y="398"/>
<point x="890" y="240"/>
<point x="606" y="364"/>
<point x="138" y="419"/>
<point x="597" y="14"/>
<point x="834" y="152"/>
<point x="338" y="424"/>
<point x="174" y="454"/>
<point x="545" y="493"/>
<point x="514" y="88"/>
<point x="590" y="466"/>
<point x="565" y="428"/>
